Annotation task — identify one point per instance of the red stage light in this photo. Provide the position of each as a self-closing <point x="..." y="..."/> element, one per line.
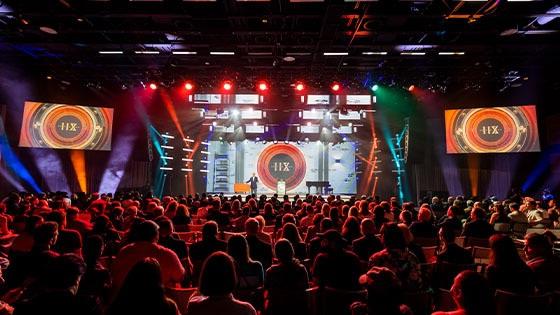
<point x="153" y="86"/>
<point x="227" y="86"/>
<point x="335" y="87"/>
<point x="189" y="86"/>
<point x="300" y="86"/>
<point x="411" y="88"/>
<point x="262" y="86"/>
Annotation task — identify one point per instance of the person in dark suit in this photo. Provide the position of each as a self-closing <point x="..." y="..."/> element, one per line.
<point x="253" y="182"/>
<point x="478" y="227"/>
<point x="452" y="253"/>
<point x="368" y="244"/>
<point x="209" y="244"/>
<point x="258" y="250"/>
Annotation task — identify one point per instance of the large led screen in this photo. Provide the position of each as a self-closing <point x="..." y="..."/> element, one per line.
<point x="297" y="163"/>
<point x="492" y="130"/>
<point x="61" y="126"/>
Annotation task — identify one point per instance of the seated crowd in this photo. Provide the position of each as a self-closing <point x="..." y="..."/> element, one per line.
<point x="211" y="254"/>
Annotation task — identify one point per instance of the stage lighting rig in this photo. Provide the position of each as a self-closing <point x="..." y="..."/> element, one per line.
<point x="189" y="86"/>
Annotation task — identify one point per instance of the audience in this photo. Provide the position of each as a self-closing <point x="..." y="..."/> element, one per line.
<point x="217" y="283"/>
<point x="478" y="227"/>
<point x="472" y="295"/>
<point x="258" y="250"/>
<point x="385" y="294"/>
<point x="450" y="252"/>
<point x="397" y="258"/>
<point x="507" y="271"/>
<point x="289" y="278"/>
<point x="368" y="244"/>
<point x="544" y="264"/>
<point x="142" y="292"/>
<point x="144" y="246"/>
<point x="250" y="274"/>
<point x="128" y="237"/>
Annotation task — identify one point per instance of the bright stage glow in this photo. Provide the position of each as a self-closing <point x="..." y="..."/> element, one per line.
<point x="227" y="86"/>
<point x="111" y="52"/>
<point x="189" y="86"/>
<point x="411" y="88"/>
<point x="335" y="87"/>
<point x="299" y="86"/>
<point x="375" y="87"/>
<point x="153" y="86"/>
<point x="262" y="86"/>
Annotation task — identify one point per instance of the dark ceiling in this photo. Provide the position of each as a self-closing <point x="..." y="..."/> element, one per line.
<point x="502" y="41"/>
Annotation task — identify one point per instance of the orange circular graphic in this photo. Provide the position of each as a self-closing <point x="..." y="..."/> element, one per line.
<point x="281" y="162"/>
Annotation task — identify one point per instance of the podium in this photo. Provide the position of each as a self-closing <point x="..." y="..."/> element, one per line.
<point x="281" y="187"/>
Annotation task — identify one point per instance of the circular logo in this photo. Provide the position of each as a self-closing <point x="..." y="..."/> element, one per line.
<point x="68" y="126"/>
<point x="281" y="166"/>
<point x="490" y="129"/>
<point x="281" y="162"/>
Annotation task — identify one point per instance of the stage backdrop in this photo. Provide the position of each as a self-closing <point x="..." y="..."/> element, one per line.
<point x="492" y="130"/>
<point x="60" y="126"/>
<point x="295" y="163"/>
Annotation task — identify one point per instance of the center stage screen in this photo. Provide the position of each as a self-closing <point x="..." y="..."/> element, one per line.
<point x="60" y="126"/>
<point x="492" y="130"/>
<point x="296" y="164"/>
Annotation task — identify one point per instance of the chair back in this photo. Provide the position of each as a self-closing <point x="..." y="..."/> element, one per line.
<point x="460" y="240"/>
<point x="519" y="229"/>
<point x="430" y="252"/>
<point x="476" y="241"/>
<point x="195" y="227"/>
<point x="502" y="227"/>
<point x="189" y="237"/>
<point x="181" y="297"/>
<point x="426" y="241"/>
<point x="511" y="303"/>
<point x="481" y="255"/>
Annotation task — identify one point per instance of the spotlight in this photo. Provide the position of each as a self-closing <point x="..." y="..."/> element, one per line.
<point x="335" y="87"/>
<point x="262" y="86"/>
<point x="189" y="86"/>
<point x="375" y="87"/>
<point x="300" y="87"/>
<point x="153" y="86"/>
<point x="275" y="141"/>
<point x="258" y="139"/>
<point x="286" y="141"/>
<point x="306" y="139"/>
<point x="344" y="139"/>
<point x="411" y="88"/>
<point x="227" y="86"/>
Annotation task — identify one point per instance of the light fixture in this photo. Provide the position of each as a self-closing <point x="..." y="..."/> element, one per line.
<point x="184" y="52"/>
<point x="146" y="52"/>
<point x="369" y="53"/>
<point x="300" y="87"/>
<point x="451" y="53"/>
<point x="222" y="53"/>
<point x="335" y="54"/>
<point x="111" y="52"/>
<point x="413" y="53"/>
<point x="48" y="30"/>
<point x="335" y="87"/>
<point x="153" y="86"/>
<point x="189" y="86"/>
<point x="227" y="86"/>
<point x="262" y="86"/>
<point x="375" y="87"/>
<point x="411" y="88"/>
